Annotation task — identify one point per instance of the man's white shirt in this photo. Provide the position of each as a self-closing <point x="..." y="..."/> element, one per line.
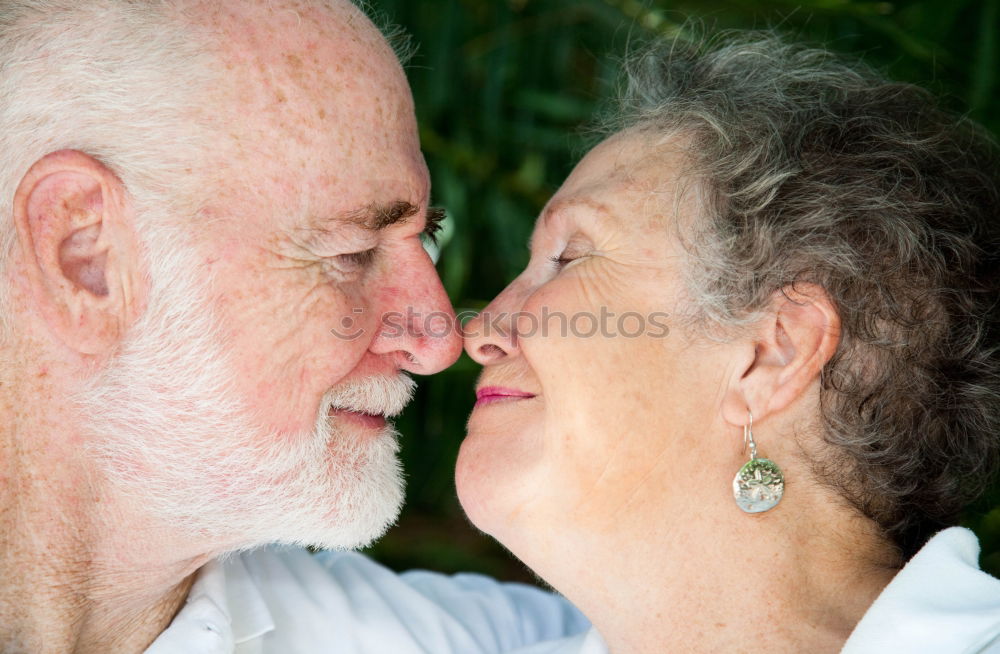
<point x="286" y="601"/>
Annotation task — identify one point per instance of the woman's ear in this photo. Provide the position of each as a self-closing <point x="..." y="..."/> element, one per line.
<point x="78" y="249"/>
<point x="797" y="337"/>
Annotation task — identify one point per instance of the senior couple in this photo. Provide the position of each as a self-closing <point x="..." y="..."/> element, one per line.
<point x="195" y="193"/>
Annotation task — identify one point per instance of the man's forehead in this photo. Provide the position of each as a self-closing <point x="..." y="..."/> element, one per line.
<point x="262" y="33"/>
<point x="252" y="19"/>
<point x="317" y="111"/>
<point x="313" y="70"/>
<point x="304" y="49"/>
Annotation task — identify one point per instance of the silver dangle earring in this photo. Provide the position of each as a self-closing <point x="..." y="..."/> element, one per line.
<point x="759" y="484"/>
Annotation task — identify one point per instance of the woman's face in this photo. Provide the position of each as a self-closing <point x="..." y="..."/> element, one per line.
<point x="592" y="395"/>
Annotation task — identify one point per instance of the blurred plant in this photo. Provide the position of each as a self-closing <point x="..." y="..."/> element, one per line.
<point x="505" y="90"/>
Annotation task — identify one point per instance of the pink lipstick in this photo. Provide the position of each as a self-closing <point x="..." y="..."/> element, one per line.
<point x="491" y="394"/>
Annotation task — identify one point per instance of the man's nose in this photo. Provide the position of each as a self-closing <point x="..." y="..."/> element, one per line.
<point x="418" y="325"/>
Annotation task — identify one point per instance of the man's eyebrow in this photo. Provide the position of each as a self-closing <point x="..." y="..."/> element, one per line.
<point x="377" y="216"/>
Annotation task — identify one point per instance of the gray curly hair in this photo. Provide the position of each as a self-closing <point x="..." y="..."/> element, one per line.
<point x="821" y="171"/>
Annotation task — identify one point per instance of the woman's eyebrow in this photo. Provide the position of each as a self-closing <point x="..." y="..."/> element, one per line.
<point x="598" y="210"/>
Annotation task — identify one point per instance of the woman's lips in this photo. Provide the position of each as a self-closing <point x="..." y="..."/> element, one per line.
<point x="491" y="394"/>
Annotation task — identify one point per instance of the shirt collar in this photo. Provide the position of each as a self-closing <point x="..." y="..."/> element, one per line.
<point x="223" y="609"/>
<point x="939" y="602"/>
<point x="249" y="613"/>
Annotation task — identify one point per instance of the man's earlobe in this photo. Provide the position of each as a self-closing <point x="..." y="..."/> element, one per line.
<point x="794" y="342"/>
<point x="78" y="249"/>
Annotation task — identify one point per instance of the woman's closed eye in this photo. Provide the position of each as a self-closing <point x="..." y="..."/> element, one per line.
<point x="574" y="251"/>
<point x="561" y="261"/>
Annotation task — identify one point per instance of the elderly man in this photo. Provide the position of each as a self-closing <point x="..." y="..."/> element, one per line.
<point x="199" y="197"/>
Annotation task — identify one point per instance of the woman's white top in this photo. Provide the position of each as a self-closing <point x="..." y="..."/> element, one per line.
<point x="281" y="601"/>
<point x="939" y="603"/>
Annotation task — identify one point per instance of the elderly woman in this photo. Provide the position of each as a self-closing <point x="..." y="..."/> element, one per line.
<point x="773" y="466"/>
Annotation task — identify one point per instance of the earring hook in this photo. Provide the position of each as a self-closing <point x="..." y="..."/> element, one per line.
<point x="748" y="437"/>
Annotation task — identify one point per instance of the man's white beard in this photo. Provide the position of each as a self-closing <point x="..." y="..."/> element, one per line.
<point x="174" y="437"/>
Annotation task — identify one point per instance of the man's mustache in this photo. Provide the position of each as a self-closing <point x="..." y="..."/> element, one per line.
<point x="375" y="395"/>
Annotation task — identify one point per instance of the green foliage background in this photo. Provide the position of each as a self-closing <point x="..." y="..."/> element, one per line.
<point x="505" y="90"/>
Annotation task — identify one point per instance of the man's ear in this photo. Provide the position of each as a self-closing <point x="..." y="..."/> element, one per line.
<point x="78" y="249"/>
<point x="798" y="336"/>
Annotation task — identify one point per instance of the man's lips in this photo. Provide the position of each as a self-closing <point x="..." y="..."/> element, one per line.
<point x="363" y="419"/>
<point x="491" y="394"/>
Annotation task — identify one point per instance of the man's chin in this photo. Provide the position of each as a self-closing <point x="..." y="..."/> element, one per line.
<point x="361" y="496"/>
<point x="341" y="490"/>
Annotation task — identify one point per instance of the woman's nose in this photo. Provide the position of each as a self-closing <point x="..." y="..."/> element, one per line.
<point x="492" y="335"/>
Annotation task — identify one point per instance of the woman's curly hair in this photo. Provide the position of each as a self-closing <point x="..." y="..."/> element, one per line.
<point x="816" y="170"/>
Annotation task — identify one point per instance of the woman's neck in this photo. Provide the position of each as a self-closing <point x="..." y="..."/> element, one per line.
<point x="795" y="579"/>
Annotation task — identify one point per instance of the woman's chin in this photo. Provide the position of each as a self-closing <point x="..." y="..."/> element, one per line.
<point x="493" y="479"/>
<point x="471" y="485"/>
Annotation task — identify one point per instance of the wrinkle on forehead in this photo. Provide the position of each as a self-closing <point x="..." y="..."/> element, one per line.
<point x="307" y="52"/>
<point x="624" y="179"/>
<point x="300" y="64"/>
<point x="311" y="91"/>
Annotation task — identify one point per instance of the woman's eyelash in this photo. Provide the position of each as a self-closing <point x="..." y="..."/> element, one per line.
<point x="560" y="261"/>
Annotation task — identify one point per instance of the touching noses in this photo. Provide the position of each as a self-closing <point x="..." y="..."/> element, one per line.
<point x="418" y="326"/>
<point x="492" y="335"/>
